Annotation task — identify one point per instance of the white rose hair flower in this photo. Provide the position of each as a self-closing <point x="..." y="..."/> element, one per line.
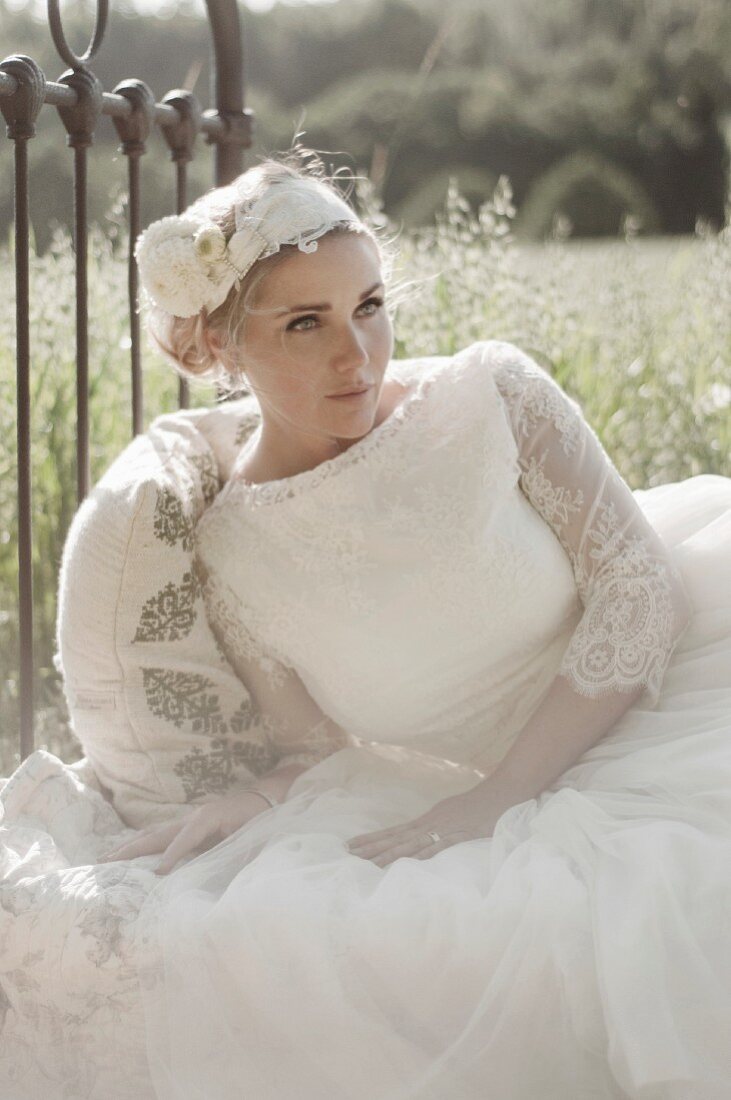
<point x="169" y="267"/>
<point x="186" y="264"/>
<point x="210" y="243"/>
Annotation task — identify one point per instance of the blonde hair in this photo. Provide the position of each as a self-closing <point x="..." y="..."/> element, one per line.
<point x="184" y="341"/>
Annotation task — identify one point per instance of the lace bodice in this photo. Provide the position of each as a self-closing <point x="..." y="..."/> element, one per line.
<point x="427" y="585"/>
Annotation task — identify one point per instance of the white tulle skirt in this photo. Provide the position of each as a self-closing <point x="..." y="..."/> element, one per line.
<point x="583" y="952"/>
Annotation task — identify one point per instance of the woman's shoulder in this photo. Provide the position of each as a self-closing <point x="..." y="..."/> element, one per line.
<point x="489" y="371"/>
<point x="513" y="376"/>
<point x="498" y="358"/>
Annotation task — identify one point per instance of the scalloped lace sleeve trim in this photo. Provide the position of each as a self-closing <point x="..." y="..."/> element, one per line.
<point x="636" y="607"/>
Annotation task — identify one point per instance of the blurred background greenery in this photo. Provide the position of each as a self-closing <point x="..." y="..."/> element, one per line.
<point x="595" y="109"/>
<point x="560" y="177"/>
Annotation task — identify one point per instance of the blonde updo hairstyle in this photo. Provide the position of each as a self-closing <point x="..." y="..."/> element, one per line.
<point x="185" y="342"/>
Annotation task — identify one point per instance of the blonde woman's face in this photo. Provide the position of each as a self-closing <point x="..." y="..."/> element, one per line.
<point x="323" y="330"/>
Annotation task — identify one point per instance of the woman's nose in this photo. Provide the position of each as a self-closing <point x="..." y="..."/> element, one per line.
<point x="350" y="351"/>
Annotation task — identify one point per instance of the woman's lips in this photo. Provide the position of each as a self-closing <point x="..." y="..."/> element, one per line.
<point x="350" y="396"/>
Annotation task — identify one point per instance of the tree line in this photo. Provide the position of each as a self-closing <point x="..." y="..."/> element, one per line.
<point x="598" y="111"/>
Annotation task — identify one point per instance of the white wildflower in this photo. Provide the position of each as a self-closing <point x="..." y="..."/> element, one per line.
<point x="720" y="395"/>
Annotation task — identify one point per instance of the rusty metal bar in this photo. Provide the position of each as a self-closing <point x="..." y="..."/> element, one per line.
<point x="20" y="114"/>
<point x="181" y="201"/>
<point x="181" y="139"/>
<point x="135" y="227"/>
<point x="59" y="38"/>
<point x="25" y="521"/>
<point x="80" y="122"/>
<point x="80" y="100"/>
<point x="83" y="475"/>
<point x="212" y="123"/>
<point x="134" y="132"/>
<point x="227" y="89"/>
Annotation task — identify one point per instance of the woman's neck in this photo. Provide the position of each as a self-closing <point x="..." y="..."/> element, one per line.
<point x="275" y="454"/>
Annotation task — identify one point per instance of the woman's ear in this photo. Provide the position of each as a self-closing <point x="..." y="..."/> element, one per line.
<point x="212" y="341"/>
<point x="215" y="348"/>
<point x="231" y="366"/>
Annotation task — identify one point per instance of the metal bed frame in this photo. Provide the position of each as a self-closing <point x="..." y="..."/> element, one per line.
<point x="80" y="100"/>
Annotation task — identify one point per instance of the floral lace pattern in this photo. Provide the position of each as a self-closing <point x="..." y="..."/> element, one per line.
<point x="70" y="962"/>
<point x="555" y="503"/>
<point x="538" y="401"/>
<point x="627" y="635"/>
<point x="311" y="741"/>
<point x="396" y="541"/>
<point x="229" y="619"/>
<point x="457" y="541"/>
<point x="636" y="607"/>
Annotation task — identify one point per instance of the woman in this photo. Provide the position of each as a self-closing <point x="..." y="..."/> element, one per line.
<point x="492" y="860"/>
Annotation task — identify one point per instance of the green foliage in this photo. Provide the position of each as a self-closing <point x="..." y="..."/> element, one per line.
<point x="425" y="202"/>
<point x="500" y="88"/>
<point x="595" y="195"/>
<point x="636" y="330"/>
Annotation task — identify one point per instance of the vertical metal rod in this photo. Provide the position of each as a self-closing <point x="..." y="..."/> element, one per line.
<point x="132" y="284"/>
<point x="82" y="343"/>
<point x="25" y="521"/>
<point x="181" y="201"/>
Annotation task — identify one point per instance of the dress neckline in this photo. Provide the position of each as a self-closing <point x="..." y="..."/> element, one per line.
<point x="269" y="492"/>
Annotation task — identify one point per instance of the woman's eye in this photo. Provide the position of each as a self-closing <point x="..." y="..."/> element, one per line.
<point x="294" y="326"/>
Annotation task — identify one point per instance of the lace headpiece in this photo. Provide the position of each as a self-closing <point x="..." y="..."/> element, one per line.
<point x="185" y="262"/>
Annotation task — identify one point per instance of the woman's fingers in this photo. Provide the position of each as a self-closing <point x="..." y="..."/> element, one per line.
<point x="411" y="849"/>
<point x="372" y="847"/>
<point x="145" y="844"/>
<point x="373" y="838"/>
<point x="194" y="833"/>
<point x="379" y="841"/>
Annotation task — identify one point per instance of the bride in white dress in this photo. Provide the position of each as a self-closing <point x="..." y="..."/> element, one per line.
<point x="494" y="858"/>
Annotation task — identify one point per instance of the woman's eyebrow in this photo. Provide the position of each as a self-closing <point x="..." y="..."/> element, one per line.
<point x="323" y="307"/>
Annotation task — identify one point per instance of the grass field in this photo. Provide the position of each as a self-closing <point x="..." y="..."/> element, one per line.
<point x="636" y="330"/>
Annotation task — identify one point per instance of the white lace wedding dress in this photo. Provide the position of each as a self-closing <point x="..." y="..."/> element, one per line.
<point x="400" y="612"/>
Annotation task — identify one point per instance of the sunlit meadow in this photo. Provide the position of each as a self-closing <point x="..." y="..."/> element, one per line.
<point x="636" y="330"/>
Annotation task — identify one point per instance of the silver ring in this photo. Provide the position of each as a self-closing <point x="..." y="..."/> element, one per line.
<point x="435" y="837"/>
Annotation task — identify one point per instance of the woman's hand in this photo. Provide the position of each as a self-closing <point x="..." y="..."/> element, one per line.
<point x="467" y="816"/>
<point x="205" y="827"/>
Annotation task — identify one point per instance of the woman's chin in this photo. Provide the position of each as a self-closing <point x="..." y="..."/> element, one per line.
<point x="353" y="418"/>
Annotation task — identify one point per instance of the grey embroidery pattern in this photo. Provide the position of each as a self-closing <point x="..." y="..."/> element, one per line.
<point x="213" y="770"/>
<point x="185" y="699"/>
<point x="170" y="614"/>
<point x="243" y="717"/>
<point x="208" y="474"/>
<point x="170" y="522"/>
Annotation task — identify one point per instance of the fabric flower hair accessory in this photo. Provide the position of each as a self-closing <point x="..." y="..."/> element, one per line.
<point x="186" y="264"/>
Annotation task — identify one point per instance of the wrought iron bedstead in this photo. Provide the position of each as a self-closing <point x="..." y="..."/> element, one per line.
<point x="80" y="100"/>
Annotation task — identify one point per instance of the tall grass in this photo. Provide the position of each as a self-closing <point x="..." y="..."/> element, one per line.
<point x="53" y="446"/>
<point x="636" y="330"/>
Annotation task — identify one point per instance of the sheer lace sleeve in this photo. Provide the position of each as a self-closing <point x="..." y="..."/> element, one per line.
<point x="635" y="603"/>
<point x="301" y="733"/>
